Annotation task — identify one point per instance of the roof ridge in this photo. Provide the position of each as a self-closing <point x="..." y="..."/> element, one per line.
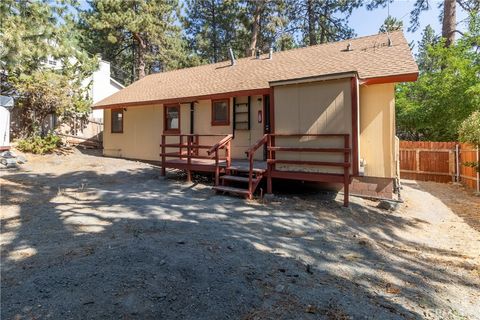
<point x="276" y="53"/>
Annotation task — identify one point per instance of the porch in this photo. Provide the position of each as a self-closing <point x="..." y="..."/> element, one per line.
<point x="186" y="152"/>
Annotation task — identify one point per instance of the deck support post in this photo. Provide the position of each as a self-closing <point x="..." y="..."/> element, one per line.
<point x="346" y="174"/>
<point x="163" y="171"/>
<point x="217" y="169"/>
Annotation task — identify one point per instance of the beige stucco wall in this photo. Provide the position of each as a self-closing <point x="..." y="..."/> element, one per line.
<point x="143" y="127"/>
<point x="141" y="137"/>
<point x="377" y="129"/>
<point x="315" y="108"/>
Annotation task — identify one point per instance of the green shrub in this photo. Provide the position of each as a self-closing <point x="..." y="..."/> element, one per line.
<point x="470" y="129"/>
<point x="39" y="145"/>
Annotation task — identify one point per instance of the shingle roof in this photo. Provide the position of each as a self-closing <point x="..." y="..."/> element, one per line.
<point x="370" y="57"/>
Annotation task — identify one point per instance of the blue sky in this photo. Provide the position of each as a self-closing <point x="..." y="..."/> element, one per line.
<point x="366" y="22"/>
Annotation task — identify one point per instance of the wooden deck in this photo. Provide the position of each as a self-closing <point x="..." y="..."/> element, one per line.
<point x="208" y="165"/>
<point x="229" y="172"/>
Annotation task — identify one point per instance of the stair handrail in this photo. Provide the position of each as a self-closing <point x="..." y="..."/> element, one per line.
<point x="220" y="144"/>
<point x="250" y="153"/>
<point x="215" y="148"/>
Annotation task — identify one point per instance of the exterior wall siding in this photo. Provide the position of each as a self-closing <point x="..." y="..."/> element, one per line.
<point x="143" y="127"/>
<point x="377" y="130"/>
<point x="315" y="108"/>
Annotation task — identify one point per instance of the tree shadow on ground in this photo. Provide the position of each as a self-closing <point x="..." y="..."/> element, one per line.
<point x="459" y="199"/>
<point x="130" y="245"/>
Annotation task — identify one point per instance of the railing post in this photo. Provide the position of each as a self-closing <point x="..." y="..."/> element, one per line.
<point x="217" y="169"/>
<point x="269" y="166"/>
<point x="189" y="159"/>
<point x="250" y="174"/>
<point x="346" y="173"/>
<point x="163" y="172"/>
<point x="180" y="145"/>
<point x="228" y="152"/>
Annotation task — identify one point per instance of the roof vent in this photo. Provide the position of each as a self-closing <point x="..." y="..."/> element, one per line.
<point x="232" y="57"/>
<point x="349" y="47"/>
<point x="390" y="43"/>
<point x="257" y="54"/>
<point x="270" y="54"/>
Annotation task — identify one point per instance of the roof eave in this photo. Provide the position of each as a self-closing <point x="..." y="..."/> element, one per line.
<point x="406" y="77"/>
<point x="327" y="77"/>
<point x="252" y="92"/>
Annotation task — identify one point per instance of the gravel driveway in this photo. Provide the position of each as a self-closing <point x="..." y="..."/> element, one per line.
<point x="88" y="237"/>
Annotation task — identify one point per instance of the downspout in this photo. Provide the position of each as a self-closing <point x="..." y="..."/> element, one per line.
<point x="192" y="110"/>
<point x="355" y="125"/>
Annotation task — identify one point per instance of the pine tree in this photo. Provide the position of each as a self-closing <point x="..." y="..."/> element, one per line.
<point x="213" y="26"/>
<point x="391" y="24"/>
<point x="32" y="32"/>
<point x="141" y="31"/>
<point x="321" y="21"/>
<point x="448" y="15"/>
<point x="266" y="26"/>
<point x="424" y="60"/>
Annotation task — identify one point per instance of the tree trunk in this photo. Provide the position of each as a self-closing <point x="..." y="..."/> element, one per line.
<point x="140" y="55"/>
<point x="312" y="37"/>
<point x="215" y="34"/>
<point x="449" y="22"/>
<point x="255" y="28"/>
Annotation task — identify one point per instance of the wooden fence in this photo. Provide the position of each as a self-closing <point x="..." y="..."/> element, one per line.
<point x="439" y="162"/>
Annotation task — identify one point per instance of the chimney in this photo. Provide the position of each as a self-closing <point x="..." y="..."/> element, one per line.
<point x="270" y="54"/>
<point x="232" y="57"/>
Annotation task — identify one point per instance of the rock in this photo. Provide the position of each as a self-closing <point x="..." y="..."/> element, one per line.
<point x="388" y="205"/>
<point x="279" y="288"/>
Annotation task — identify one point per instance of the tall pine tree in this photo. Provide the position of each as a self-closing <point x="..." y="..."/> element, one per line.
<point x="213" y="26"/>
<point x="140" y="30"/>
<point x="321" y="21"/>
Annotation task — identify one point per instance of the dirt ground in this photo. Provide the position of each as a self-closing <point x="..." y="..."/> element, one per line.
<point x="88" y="237"/>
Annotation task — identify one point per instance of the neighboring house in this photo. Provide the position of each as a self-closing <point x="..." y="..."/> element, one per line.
<point x="100" y="85"/>
<point x="6" y="105"/>
<point x="321" y="113"/>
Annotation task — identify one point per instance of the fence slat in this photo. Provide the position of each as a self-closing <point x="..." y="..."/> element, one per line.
<point x="435" y="161"/>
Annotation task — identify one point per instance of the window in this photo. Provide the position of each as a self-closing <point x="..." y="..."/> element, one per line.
<point x="172" y="118"/>
<point x="220" y="112"/>
<point x="117" y="121"/>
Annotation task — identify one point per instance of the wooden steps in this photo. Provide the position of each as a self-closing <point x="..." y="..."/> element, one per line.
<point x="236" y="178"/>
<point x="233" y="190"/>
<point x="237" y="181"/>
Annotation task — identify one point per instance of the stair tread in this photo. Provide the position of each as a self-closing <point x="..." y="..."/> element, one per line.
<point x="231" y="189"/>
<point x="243" y="169"/>
<point x="236" y="178"/>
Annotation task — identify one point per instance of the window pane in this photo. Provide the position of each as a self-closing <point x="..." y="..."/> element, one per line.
<point x="220" y="111"/>
<point x="172" y="118"/>
<point x="117" y="121"/>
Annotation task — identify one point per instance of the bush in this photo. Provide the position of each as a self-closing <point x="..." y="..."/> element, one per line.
<point x="470" y="129"/>
<point x="39" y="145"/>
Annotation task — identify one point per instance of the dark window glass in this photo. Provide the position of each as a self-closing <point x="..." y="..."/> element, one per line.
<point x="220" y="112"/>
<point x="172" y="118"/>
<point x="117" y="121"/>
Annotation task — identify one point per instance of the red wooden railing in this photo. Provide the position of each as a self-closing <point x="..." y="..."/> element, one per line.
<point x="192" y="147"/>
<point x="250" y="153"/>
<point x="225" y="143"/>
<point x="272" y="161"/>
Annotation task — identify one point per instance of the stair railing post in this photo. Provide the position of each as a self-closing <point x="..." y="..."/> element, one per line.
<point x="229" y="153"/>
<point x="346" y="173"/>
<point x="189" y="159"/>
<point x="163" y="172"/>
<point x="217" y="169"/>
<point x="269" y="165"/>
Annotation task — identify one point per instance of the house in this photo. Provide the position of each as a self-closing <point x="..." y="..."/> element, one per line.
<point x="100" y="85"/>
<point x="6" y="105"/>
<point x="321" y="113"/>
